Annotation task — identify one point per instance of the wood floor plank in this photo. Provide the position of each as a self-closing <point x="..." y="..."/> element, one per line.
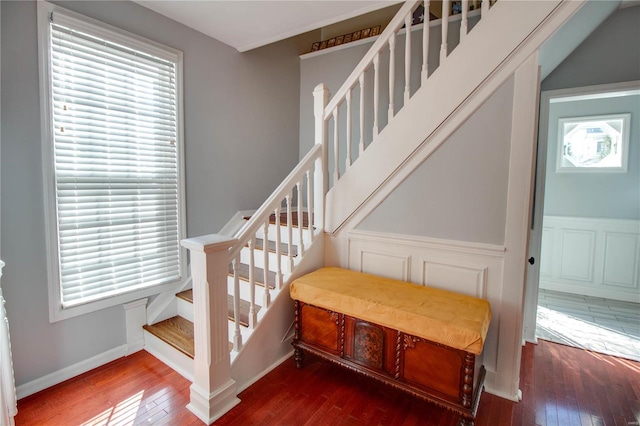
<point x="592" y="390"/>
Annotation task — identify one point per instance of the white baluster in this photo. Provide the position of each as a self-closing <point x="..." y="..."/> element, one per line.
<point x="320" y="99"/>
<point x="300" y="220"/>
<point x="407" y="58"/>
<point x="289" y="233"/>
<point x="426" y="29"/>
<point x="267" y="293"/>
<point x="464" y="24"/>
<point x="392" y="74"/>
<point x="376" y="92"/>
<point x="336" y="147"/>
<point x="252" y="284"/>
<point x="485" y="8"/>
<point x="278" y="249"/>
<point x="445" y="30"/>
<point x="310" y="203"/>
<point x="237" y="336"/>
<point x="361" y="82"/>
<point x="348" y="159"/>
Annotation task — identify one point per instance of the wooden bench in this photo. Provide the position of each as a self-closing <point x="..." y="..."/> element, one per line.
<point x="418" y="339"/>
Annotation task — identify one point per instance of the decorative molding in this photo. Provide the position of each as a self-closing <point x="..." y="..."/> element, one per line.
<point x="470" y="280"/>
<point x="386" y="264"/>
<point x="577" y="247"/>
<point x="591" y="256"/>
<point x="428" y="242"/>
<point x="71" y="371"/>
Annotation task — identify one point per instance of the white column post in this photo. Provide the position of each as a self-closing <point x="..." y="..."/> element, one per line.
<point x="320" y="174"/>
<point x="213" y="392"/>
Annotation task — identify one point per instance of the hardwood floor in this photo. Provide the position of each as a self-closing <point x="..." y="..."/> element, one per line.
<point x="560" y="385"/>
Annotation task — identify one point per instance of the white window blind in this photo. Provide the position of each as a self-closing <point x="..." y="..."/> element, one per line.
<point x="114" y="126"/>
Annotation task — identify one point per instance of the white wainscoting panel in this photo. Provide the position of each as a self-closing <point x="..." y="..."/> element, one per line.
<point x="468" y="280"/>
<point x="593" y="257"/>
<point x="386" y="265"/>
<point x="577" y="254"/>
<point x="462" y="267"/>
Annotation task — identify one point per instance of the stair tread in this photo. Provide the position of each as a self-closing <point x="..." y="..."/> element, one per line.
<point x="283" y="219"/>
<point x="244" y="306"/>
<point x="186" y="295"/>
<point x="243" y="273"/>
<point x="244" y="310"/>
<point x="177" y="332"/>
<point x="284" y="247"/>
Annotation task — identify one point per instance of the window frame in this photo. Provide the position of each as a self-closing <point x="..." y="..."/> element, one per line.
<point x="44" y="10"/>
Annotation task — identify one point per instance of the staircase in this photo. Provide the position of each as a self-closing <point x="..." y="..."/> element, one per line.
<point x="173" y="338"/>
<point x="239" y="312"/>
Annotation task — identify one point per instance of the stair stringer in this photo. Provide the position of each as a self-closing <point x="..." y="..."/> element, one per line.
<point x="270" y="342"/>
<point x="514" y="31"/>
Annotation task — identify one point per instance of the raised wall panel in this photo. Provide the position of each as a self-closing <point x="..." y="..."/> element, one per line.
<point x="385" y="265"/>
<point x="546" y="252"/>
<point x="592" y="257"/>
<point x="460" y="279"/>
<point x="577" y="254"/>
<point x="621" y="260"/>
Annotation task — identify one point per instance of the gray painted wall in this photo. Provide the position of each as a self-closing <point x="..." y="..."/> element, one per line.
<point x="601" y="195"/>
<point x="609" y="55"/>
<point x="241" y="139"/>
<point x="460" y="192"/>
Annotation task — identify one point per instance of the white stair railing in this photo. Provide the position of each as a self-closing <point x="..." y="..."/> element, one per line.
<point x="307" y="177"/>
<point x="334" y="125"/>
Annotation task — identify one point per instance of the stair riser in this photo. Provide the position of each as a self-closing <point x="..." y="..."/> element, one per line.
<point x="284" y="234"/>
<point x="258" y="259"/>
<point x="245" y="291"/>
<point x="185" y="309"/>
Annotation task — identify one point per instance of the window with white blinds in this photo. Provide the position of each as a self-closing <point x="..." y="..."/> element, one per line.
<point x="114" y="125"/>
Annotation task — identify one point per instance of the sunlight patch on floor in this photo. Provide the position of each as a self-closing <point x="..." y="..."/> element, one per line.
<point x="122" y="414"/>
<point x="563" y="328"/>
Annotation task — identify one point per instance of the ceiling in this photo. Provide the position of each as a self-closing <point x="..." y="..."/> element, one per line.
<point x="246" y="25"/>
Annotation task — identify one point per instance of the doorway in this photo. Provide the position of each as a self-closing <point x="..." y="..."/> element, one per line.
<point x="583" y="287"/>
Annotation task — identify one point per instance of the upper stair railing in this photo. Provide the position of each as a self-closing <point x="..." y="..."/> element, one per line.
<point x="346" y="143"/>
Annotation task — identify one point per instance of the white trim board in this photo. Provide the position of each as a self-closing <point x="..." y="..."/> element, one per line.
<point x="71" y="371"/>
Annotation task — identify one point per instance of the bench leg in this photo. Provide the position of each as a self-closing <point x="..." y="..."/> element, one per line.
<point x="298" y="356"/>
<point x="466" y="421"/>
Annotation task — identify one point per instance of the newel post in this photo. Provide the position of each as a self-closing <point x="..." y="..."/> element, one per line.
<point x="321" y="172"/>
<point x="213" y="392"/>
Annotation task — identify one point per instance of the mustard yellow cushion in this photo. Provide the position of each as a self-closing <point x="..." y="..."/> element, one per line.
<point x="452" y="319"/>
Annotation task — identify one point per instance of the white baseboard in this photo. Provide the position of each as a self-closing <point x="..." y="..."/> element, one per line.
<point x="266" y="371"/>
<point x="71" y="371"/>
